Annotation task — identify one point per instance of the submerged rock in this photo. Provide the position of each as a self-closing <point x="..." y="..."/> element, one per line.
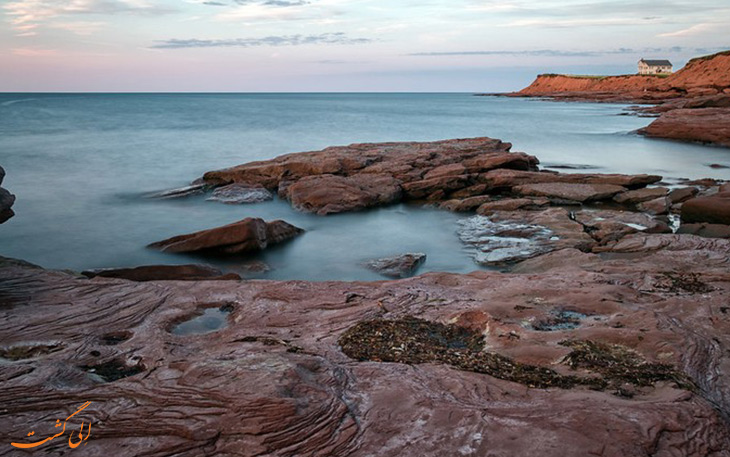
<point x="240" y="194"/>
<point x="247" y="235"/>
<point x="399" y="266"/>
<point x="163" y="273"/>
<point x="180" y="192"/>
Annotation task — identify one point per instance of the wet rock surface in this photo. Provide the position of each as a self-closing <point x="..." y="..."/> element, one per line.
<point x="245" y="236"/>
<point x="337" y="368"/>
<point x="398" y="266"/>
<point x="163" y="273"/>
<point x="236" y="194"/>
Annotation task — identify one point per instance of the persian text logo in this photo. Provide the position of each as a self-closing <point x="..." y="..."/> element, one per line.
<point x="71" y="442"/>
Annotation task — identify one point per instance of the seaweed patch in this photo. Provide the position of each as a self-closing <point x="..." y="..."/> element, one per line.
<point x="415" y="341"/>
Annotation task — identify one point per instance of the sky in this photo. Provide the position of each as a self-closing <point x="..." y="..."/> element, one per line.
<point x="341" y="45"/>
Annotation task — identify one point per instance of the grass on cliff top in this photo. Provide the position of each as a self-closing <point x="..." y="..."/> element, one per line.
<point x="601" y="77"/>
<point x="415" y="341"/>
<point x="710" y="56"/>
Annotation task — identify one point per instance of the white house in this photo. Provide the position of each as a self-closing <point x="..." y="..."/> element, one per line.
<point x="655" y="67"/>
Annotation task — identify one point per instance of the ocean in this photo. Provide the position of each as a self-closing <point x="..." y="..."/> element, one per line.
<point x="81" y="164"/>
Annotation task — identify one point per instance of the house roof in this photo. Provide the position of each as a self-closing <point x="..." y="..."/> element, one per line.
<point x="657" y="63"/>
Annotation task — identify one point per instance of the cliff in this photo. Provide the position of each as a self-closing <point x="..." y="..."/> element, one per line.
<point x="709" y="75"/>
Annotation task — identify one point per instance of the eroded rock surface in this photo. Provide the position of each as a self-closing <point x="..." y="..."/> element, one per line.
<point x="275" y="379"/>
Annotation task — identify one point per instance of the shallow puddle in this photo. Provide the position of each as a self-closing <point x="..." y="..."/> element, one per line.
<point x="213" y="319"/>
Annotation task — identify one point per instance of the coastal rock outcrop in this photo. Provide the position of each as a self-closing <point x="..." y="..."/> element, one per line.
<point x="534" y="363"/>
<point x="460" y="174"/>
<point x="6" y="201"/>
<point x="245" y="236"/>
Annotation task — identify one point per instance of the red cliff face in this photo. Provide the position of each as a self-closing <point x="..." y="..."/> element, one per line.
<point x="701" y="76"/>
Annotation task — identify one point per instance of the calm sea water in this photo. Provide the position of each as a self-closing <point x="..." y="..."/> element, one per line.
<point x="79" y="165"/>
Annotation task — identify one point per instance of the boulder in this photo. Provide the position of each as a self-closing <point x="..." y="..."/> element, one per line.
<point x="633" y="197"/>
<point x="240" y="194"/>
<point x="569" y="191"/>
<point x="245" y="236"/>
<point x="399" y="266"/>
<point x="6" y="200"/>
<point x="714" y="209"/>
<point x="163" y="273"/>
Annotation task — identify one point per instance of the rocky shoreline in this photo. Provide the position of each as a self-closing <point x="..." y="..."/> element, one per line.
<point x="692" y="104"/>
<point x="606" y="333"/>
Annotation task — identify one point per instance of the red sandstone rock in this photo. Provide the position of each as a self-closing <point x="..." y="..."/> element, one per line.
<point x="709" y="125"/>
<point x="247" y="235"/>
<point x="714" y="209"/>
<point x="705" y="230"/>
<point x="327" y="194"/>
<point x="641" y="195"/>
<point x="507" y="179"/>
<point x="512" y="204"/>
<point x="467" y="204"/>
<point x="682" y="194"/>
<point x="569" y="191"/>
<point x="656" y="207"/>
<point x="360" y="176"/>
